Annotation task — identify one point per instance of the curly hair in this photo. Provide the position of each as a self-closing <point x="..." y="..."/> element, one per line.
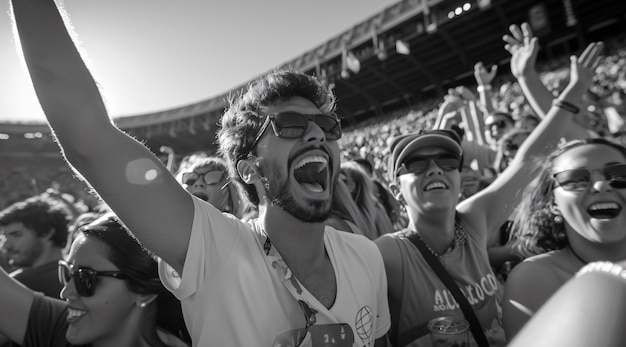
<point x="141" y="267"/>
<point x="534" y="228"/>
<point x="243" y="118"/>
<point x="41" y="214"/>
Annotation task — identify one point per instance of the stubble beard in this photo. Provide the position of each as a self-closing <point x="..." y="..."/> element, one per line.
<point x="277" y="189"/>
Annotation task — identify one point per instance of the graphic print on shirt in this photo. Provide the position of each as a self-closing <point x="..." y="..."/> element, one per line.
<point x="474" y="292"/>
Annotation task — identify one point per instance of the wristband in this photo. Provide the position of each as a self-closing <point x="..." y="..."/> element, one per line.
<point x="567" y="106"/>
<point x="483" y="88"/>
<point x="603" y="266"/>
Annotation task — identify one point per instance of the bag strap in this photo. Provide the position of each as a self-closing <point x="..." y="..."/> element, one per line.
<point x="468" y="311"/>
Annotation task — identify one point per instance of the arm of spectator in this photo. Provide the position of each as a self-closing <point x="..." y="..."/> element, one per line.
<point x="587" y="311"/>
<point x="473" y="129"/>
<point x="170" y="157"/>
<point x="450" y="104"/>
<point x="523" y="297"/>
<point x="15" y="301"/>
<point x="502" y="196"/>
<point x="449" y="119"/>
<point x="484" y="78"/>
<point x="130" y="178"/>
<point x="524" y="47"/>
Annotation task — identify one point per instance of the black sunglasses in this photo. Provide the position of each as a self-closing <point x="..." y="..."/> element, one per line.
<point x="418" y="165"/>
<point x="293" y="125"/>
<point x="210" y="177"/>
<point x="579" y="179"/>
<point x="84" y="278"/>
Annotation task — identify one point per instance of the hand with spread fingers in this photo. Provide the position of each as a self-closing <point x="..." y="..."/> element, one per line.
<point x="523" y="47"/>
<point x="583" y="68"/>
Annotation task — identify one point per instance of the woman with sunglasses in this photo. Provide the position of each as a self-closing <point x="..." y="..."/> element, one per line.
<point x="112" y="297"/>
<point x="207" y="178"/>
<point x="424" y="173"/>
<point x="571" y="214"/>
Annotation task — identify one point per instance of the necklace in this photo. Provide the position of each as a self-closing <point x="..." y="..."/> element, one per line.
<point x="460" y="235"/>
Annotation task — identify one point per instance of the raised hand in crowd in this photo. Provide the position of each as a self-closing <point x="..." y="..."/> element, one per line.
<point x="484" y="78"/>
<point x="240" y="283"/>
<point x="424" y="175"/>
<point x="524" y="48"/>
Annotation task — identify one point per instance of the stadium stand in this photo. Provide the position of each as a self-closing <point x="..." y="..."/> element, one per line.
<point x="408" y="55"/>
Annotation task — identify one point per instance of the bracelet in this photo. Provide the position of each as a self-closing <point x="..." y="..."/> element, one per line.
<point x="483" y="88"/>
<point x="564" y="105"/>
<point x="603" y="266"/>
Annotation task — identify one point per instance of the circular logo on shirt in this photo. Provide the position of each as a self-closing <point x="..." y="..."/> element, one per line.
<point x="363" y="323"/>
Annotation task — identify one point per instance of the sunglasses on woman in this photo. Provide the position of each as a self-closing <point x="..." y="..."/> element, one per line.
<point x="293" y="125"/>
<point x="418" y="165"/>
<point x="84" y="278"/>
<point x="210" y="178"/>
<point x="580" y="179"/>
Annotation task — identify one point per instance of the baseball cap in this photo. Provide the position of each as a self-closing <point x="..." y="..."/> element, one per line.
<point x="401" y="146"/>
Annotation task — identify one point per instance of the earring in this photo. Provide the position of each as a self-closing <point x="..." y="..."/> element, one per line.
<point x="142" y="305"/>
<point x="557" y="219"/>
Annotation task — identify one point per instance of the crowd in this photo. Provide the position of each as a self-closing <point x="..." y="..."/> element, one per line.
<point x="498" y="208"/>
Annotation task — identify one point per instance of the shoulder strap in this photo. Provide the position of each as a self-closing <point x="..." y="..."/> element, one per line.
<point x="468" y="311"/>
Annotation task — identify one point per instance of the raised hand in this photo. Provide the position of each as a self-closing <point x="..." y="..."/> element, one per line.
<point x="484" y="76"/>
<point x="582" y="69"/>
<point x="523" y="48"/>
<point x="464" y="93"/>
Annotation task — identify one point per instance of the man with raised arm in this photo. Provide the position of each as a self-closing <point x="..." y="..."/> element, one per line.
<point x="283" y="279"/>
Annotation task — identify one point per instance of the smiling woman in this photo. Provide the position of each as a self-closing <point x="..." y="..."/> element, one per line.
<point x="570" y="215"/>
<point x="112" y="293"/>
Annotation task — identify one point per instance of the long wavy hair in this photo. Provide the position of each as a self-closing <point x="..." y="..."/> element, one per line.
<point x="345" y="208"/>
<point x="534" y="228"/>
<point x="363" y="194"/>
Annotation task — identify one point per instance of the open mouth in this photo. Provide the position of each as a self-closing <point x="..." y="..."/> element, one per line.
<point x="435" y="186"/>
<point x="604" y="210"/>
<point x="311" y="172"/>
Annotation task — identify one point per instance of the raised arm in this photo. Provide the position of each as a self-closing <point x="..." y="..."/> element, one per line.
<point x="15" y="301"/>
<point x="484" y="78"/>
<point x="524" y="48"/>
<point x="130" y="178"/>
<point x="488" y="209"/>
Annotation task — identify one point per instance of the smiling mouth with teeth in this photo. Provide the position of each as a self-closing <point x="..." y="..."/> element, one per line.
<point x="605" y="210"/>
<point x="311" y="173"/>
<point x="435" y="185"/>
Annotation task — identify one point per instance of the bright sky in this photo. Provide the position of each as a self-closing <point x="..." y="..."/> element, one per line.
<point x="152" y="55"/>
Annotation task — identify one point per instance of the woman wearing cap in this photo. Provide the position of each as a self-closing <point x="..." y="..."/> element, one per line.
<point x="571" y="214"/>
<point x="424" y="175"/>
<point x="112" y="297"/>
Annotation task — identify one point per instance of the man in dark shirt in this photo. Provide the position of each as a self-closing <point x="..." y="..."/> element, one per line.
<point x="35" y="232"/>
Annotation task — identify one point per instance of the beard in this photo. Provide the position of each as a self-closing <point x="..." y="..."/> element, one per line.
<point x="277" y="189"/>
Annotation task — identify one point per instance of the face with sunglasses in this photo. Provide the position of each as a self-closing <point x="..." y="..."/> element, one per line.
<point x="430" y="179"/>
<point x="297" y="158"/>
<point x="209" y="184"/>
<point x="97" y="293"/>
<point x="498" y="126"/>
<point x="590" y="192"/>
